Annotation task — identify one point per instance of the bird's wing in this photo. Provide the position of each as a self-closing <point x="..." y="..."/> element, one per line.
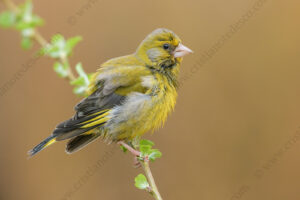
<point x="109" y="88"/>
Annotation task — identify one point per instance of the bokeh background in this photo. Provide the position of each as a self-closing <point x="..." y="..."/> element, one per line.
<point x="234" y="134"/>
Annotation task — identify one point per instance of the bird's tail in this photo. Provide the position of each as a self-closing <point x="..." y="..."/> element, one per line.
<point x="81" y="130"/>
<point x="45" y="143"/>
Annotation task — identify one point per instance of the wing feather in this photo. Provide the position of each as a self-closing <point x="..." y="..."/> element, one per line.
<point x="109" y="88"/>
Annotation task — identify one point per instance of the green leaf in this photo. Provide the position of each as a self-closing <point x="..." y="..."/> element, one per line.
<point x="21" y="25"/>
<point x="27" y="7"/>
<point x="7" y="19"/>
<point x="82" y="81"/>
<point x="154" y="154"/>
<point x="57" y="38"/>
<point x="123" y="149"/>
<point x="146" y="146"/>
<point x="26" y="43"/>
<point x="45" y="50"/>
<point x="55" y="52"/>
<point x="82" y="74"/>
<point x="27" y="32"/>
<point x="42" y="51"/>
<point x="60" y="48"/>
<point x="145" y="149"/>
<point x="37" y="21"/>
<point x="141" y="182"/>
<point x="79" y="81"/>
<point x="57" y="47"/>
<point x="146" y="142"/>
<point x="60" y="69"/>
<point x="25" y="18"/>
<point x="79" y="90"/>
<point x="71" y="43"/>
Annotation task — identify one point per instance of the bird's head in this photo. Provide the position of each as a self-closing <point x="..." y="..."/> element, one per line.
<point x="162" y="49"/>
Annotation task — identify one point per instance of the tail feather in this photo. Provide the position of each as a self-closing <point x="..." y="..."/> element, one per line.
<point x="75" y="127"/>
<point x="79" y="142"/>
<point x="78" y="129"/>
<point x="45" y="143"/>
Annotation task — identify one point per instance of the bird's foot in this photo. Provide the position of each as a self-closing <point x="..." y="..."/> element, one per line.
<point x="137" y="155"/>
<point x="130" y="149"/>
<point x="136" y="162"/>
<point x="137" y="159"/>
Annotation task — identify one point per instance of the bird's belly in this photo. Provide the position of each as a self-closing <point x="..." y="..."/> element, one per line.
<point x="137" y="115"/>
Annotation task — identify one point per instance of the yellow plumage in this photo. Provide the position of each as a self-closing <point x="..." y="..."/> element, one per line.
<point x="128" y="96"/>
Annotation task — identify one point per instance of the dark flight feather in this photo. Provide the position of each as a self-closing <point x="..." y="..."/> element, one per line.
<point x="88" y="109"/>
<point x="79" y="142"/>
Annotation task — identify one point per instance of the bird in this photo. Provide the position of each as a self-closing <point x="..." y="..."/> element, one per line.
<point x="127" y="96"/>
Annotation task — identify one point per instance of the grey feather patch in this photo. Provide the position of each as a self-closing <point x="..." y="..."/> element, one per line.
<point x="154" y="54"/>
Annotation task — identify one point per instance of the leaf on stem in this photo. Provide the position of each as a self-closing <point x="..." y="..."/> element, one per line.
<point x="60" y="48"/>
<point x="141" y="182"/>
<point x="26" y="43"/>
<point x="26" y="19"/>
<point x="82" y="82"/>
<point x="146" y="142"/>
<point x="60" y="69"/>
<point x="7" y="19"/>
<point x="71" y="43"/>
<point x="154" y="154"/>
<point x="123" y="148"/>
<point x="146" y="150"/>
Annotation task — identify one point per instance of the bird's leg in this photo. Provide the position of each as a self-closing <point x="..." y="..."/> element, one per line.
<point x="136" y="153"/>
<point x="130" y="149"/>
<point x="136" y="162"/>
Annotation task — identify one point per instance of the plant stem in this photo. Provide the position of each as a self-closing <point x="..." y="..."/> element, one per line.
<point x="154" y="190"/>
<point x="39" y="38"/>
<point x="146" y="167"/>
<point x="10" y="5"/>
<point x="65" y="61"/>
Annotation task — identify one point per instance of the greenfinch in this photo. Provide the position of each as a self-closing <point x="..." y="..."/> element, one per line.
<point x="127" y="96"/>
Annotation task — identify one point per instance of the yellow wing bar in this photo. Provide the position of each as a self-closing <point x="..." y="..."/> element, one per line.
<point x="96" y="120"/>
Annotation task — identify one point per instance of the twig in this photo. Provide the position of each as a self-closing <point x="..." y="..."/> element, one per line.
<point x="10" y="5"/>
<point x="153" y="190"/>
<point x="145" y="163"/>
<point x="39" y="38"/>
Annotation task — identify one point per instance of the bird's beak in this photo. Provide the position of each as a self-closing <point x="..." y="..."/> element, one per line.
<point x="181" y="51"/>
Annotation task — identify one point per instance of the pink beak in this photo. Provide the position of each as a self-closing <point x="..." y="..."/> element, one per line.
<point x="181" y="51"/>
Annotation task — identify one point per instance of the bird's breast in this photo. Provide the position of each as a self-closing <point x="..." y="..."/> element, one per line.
<point x="141" y="112"/>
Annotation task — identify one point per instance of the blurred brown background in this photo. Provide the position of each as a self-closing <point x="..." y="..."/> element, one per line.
<point x="234" y="131"/>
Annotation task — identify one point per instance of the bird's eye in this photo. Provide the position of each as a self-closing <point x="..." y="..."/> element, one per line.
<point x="166" y="46"/>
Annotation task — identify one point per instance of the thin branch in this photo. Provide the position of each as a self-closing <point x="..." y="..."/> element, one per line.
<point x="154" y="190"/>
<point x="65" y="61"/>
<point x="39" y="38"/>
<point x="10" y="5"/>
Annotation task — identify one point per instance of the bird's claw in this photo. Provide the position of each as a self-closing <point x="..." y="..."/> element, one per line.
<point x="137" y="155"/>
<point x="136" y="162"/>
<point x="137" y="159"/>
